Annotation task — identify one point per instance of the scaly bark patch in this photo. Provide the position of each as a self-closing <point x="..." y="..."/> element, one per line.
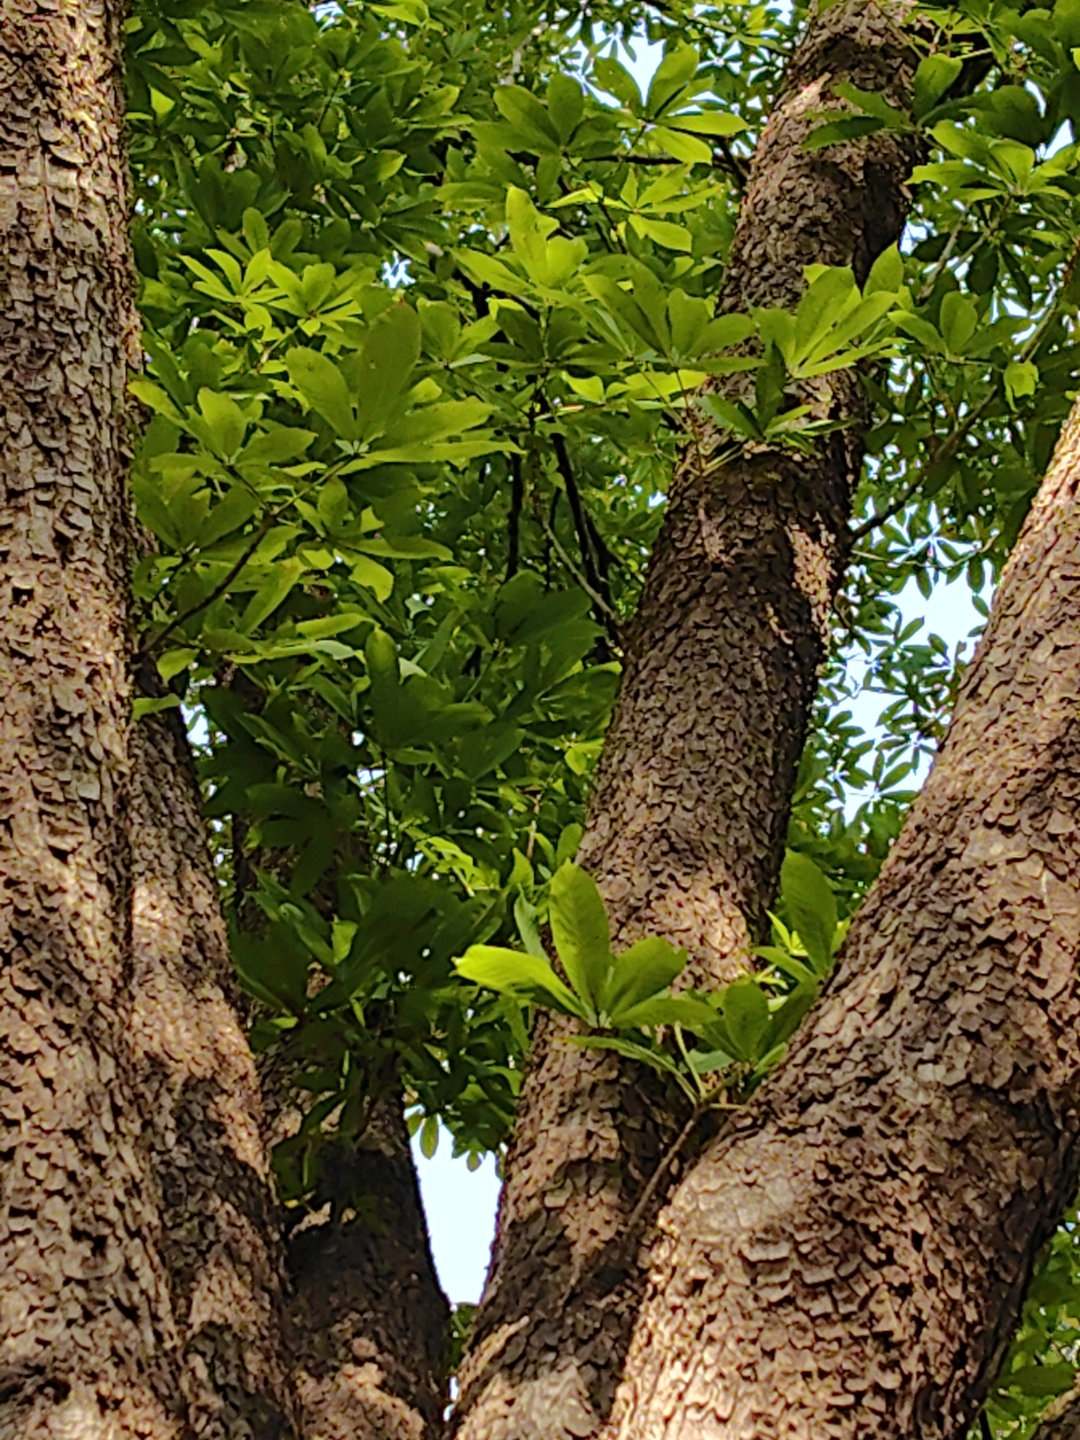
<point x="200" y="1099"/>
<point x="850" y="1258"/>
<point x="368" y="1324"/>
<point x="690" y="808"/>
<point x="85" y="1313"/>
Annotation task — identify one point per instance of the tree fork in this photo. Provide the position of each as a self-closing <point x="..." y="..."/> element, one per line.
<point x="689" y="812"/>
<point x="849" y="1259"/>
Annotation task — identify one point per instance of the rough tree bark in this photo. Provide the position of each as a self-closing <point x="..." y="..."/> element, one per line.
<point x="136" y="1287"/>
<point x="201" y="1105"/>
<point x="848" y="1260"/>
<point x="689" y="813"/>
<point x="84" y="1307"/>
<point x="368" y="1324"/>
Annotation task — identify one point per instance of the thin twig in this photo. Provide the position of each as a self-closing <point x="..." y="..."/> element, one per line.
<point x="597" y="599"/>
<point x="577" y="510"/>
<point x="517" y="501"/>
<point x="215" y="594"/>
<point x="661" y="1171"/>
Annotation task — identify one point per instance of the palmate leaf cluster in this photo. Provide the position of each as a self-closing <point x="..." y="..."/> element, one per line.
<point x="623" y="1002"/>
<point x="428" y="292"/>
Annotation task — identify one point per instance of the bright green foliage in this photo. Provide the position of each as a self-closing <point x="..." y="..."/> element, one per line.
<point x="428" y="289"/>
<point x="743" y="1031"/>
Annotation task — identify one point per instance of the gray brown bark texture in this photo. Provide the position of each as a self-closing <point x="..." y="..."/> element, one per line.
<point x="848" y="1258"/>
<point x="84" y="1310"/>
<point x="368" y="1326"/>
<point x="689" y="814"/>
<point x="140" y="1273"/>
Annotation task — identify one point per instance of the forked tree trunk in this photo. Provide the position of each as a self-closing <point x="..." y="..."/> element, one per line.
<point x="848" y="1260"/>
<point x="85" y="1315"/>
<point x="690" y="809"/>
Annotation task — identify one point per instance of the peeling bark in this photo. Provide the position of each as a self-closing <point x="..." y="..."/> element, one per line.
<point x="849" y="1259"/>
<point x="690" y="808"/>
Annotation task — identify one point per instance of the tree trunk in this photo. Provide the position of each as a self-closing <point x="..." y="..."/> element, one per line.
<point x="691" y="803"/>
<point x="848" y="1260"/>
<point x="199" y="1096"/>
<point x="368" y="1324"/>
<point x="84" y="1307"/>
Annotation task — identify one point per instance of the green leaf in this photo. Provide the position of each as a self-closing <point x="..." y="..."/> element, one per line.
<point x="681" y="1010"/>
<point x="529" y="117"/>
<point x="812" y="906"/>
<point x="672" y="237"/>
<point x="842" y="132"/>
<point x="1021" y="378"/>
<point x="709" y="122"/>
<point x="373" y="576"/>
<point x="225" y="424"/>
<point x="382" y="373"/>
<point x="785" y="962"/>
<point x="173" y="661"/>
<point x="957" y="321"/>
<point x="237" y="507"/>
<point x="869" y="102"/>
<point x="579" y="926"/>
<point x="277" y="445"/>
<point x="640" y="972"/>
<point x="429" y="1137"/>
<point x="674" y="73"/>
<point x="617" y="81"/>
<point x="271" y="594"/>
<point x="487" y="270"/>
<point x="522" y="976"/>
<point x="787" y="1019"/>
<point x="566" y="103"/>
<point x="323" y="386"/>
<point x="933" y="77"/>
<point x="746" y="1017"/>
<point x="679" y="146"/>
<point x="525" y="920"/>
<point x="142" y="705"/>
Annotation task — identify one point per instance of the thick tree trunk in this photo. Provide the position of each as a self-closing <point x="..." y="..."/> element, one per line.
<point x="691" y="803"/>
<point x="199" y="1098"/>
<point x="849" y="1258"/>
<point x="84" y="1306"/>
